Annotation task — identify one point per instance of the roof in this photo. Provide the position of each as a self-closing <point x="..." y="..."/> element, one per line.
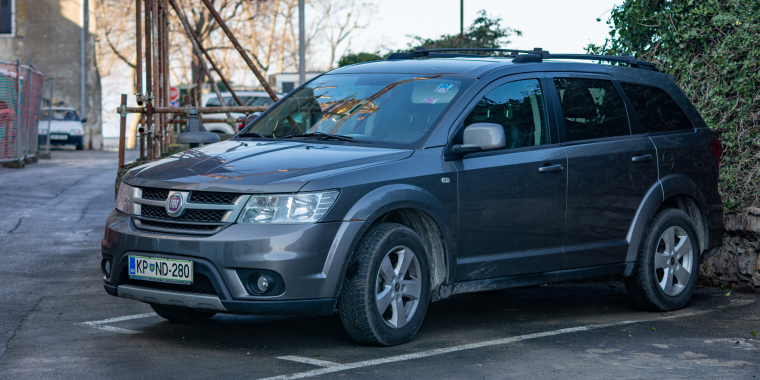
<point x="452" y="62"/>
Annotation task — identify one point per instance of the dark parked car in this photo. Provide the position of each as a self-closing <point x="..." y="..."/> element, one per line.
<point x="377" y="188"/>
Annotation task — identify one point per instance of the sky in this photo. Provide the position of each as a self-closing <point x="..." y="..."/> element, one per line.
<point x="556" y="26"/>
<point x="559" y="26"/>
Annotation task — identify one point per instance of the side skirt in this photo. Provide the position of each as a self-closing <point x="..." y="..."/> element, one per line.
<point x="538" y="278"/>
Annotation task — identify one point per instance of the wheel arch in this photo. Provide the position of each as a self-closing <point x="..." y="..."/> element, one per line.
<point x="673" y="191"/>
<point x="422" y="212"/>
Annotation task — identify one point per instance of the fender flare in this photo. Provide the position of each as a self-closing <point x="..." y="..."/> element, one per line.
<point x="665" y="188"/>
<point x="400" y="196"/>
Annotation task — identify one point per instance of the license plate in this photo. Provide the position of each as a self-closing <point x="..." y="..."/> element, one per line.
<point x="59" y="137"/>
<point x="161" y="270"/>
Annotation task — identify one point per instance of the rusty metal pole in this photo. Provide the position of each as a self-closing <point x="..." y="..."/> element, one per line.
<point x="159" y="46"/>
<point x="197" y="49"/>
<point x="142" y="135"/>
<point x="122" y="128"/>
<point x="154" y="46"/>
<point x="138" y="50"/>
<point x="167" y="87"/>
<point x="240" y="50"/>
<point x="215" y="67"/>
<point x="148" y="80"/>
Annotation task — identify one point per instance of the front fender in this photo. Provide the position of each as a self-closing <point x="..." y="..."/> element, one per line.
<point x="403" y="196"/>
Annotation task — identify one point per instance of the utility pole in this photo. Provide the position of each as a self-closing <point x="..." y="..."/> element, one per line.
<point x="83" y="58"/>
<point x="461" y="19"/>
<point x="302" y="43"/>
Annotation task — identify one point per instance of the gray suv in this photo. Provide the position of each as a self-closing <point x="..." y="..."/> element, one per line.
<point x="377" y="188"/>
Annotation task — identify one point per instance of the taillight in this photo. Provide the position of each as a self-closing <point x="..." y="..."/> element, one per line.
<point x="717" y="149"/>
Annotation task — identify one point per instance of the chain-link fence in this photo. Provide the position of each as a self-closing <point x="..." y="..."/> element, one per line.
<point x="20" y="96"/>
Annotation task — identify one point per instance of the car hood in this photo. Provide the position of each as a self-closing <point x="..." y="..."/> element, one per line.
<point x="63" y="126"/>
<point x="257" y="167"/>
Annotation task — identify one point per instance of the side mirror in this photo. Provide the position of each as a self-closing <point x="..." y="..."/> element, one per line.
<point x="84" y="120"/>
<point x="481" y="137"/>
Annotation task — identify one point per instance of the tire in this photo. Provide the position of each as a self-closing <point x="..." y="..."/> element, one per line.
<point x="667" y="268"/>
<point x="378" y="262"/>
<point x="176" y="314"/>
<point x="80" y="147"/>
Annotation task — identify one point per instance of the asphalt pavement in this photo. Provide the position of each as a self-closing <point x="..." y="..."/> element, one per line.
<point x="56" y="321"/>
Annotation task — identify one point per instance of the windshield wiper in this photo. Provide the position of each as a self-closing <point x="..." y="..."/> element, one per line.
<point x="251" y="134"/>
<point x="320" y="136"/>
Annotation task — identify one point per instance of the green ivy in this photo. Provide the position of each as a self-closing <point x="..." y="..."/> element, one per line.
<point x="713" y="49"/>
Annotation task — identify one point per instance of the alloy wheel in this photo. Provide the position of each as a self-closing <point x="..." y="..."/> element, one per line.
<point x="398" y="287"/>
<point x="673" y="260"/>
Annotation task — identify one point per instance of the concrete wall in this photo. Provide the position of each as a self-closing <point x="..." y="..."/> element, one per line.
<point x="49" y="33"/>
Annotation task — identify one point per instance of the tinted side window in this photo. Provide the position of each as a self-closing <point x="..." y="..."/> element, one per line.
<point x="256" y="101"/>
<point x="657" y="110"/>
<point x="592" y="109"/>
<point x="519" y="108"/>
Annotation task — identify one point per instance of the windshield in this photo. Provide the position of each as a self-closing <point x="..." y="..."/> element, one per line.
<point x="67" y="115"/>
<point x="397" y="109"/>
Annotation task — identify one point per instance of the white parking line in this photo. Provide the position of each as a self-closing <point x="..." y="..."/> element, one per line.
<point x="120" y="319"/>
<point x="446" y="350"/>
<point x="98" y="324"/>
<point x="300" y="359"/>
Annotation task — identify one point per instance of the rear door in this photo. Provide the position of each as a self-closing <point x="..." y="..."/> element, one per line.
<point x="610" y="169"/>
<point x="511" y="201"/>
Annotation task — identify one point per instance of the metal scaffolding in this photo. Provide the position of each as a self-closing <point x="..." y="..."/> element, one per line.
<point x="152" y="46"/>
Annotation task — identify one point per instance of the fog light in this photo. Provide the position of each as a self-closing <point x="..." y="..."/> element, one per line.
<point x="263" y="284"/>
<point x="105" y="266"/>
<point x="260" y="283"/>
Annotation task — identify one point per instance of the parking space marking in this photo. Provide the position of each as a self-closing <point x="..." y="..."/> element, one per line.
<point x="317" y="362"/>
<point x="100" y="323"/>
<point x="496" y="342"/>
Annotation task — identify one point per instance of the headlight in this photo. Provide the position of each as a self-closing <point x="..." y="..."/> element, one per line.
<point x="76" y="132"/>
<point x="124" y="198"/>
<point x="288" y="208"/>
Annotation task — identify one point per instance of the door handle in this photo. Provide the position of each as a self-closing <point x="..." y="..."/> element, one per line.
<point x="551" y="168"/>
<point x="642" y="158"/>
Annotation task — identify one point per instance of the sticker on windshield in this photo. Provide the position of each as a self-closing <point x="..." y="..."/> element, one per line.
<point x="443" y="88"/>
<point x="430" y="100"/>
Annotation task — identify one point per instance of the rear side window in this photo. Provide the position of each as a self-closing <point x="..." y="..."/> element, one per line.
<point x="592" y="109"/>
<point x="657" y="110"/>
<point x="519" y="108"/>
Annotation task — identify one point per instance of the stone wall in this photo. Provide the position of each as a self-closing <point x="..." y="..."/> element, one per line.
<point x="737" y="265"/>
<point x="49" y="33"/>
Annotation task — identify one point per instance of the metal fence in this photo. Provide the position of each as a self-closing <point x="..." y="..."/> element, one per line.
<point x="20" y="100"/>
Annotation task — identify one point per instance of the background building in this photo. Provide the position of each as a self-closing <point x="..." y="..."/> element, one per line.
<point x="49" y="33"/>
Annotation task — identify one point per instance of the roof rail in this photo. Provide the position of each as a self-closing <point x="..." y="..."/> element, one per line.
<point x="535" y="55"/>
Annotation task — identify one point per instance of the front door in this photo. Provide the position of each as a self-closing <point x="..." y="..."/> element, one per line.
<point x="511" y="201"/>
<point x="609" y="169"/>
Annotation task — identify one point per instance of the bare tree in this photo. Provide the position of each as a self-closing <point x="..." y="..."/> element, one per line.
<point x="343" y="19"/>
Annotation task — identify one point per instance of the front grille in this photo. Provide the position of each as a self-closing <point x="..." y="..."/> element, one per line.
<point x="155" y="194"/>
<point x="175" y="226"/>
<point x="201" y="285"/>
<point x="215" y="198"/>
<point x="205" y="213"/>
<point x="189" y="215"/>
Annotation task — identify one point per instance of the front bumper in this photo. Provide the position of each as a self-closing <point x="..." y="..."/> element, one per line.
<point x="310" y="258"/>
<point x="71" y="140"/>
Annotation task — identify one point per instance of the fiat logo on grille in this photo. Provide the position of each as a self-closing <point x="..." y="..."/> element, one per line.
<point x="174" y="205"/>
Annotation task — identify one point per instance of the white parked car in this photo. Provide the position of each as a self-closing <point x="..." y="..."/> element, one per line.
<point x="65" y="127"/>
<point x="249" y="98"/>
